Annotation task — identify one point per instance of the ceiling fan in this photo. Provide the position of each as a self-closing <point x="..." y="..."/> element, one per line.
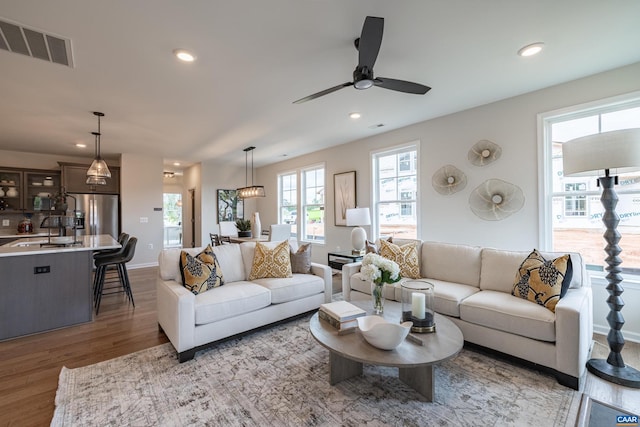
<point x="368" y="45"/>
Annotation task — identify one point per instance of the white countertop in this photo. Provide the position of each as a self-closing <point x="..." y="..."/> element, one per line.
<point x="31" y="245"/>
<point x="24" y="235"/>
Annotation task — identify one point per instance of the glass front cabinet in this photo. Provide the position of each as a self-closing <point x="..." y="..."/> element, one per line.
<point x="28" y="190"/>
<point x="10" y="190"/>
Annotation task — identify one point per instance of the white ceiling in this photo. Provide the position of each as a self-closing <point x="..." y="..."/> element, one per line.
<point x="255" y="57"/>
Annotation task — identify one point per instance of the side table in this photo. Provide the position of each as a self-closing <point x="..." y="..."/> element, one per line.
<point x="338" y="259"/>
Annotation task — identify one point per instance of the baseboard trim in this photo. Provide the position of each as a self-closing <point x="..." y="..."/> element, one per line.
<point x="628" y="336"/>
<point x="145" y="265"/>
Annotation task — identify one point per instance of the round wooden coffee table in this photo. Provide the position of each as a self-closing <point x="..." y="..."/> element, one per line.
<point x="348" y="352"/>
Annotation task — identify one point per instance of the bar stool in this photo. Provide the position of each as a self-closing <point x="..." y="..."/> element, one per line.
<point x="122" y="239"/>
<point x="118" y="261"/>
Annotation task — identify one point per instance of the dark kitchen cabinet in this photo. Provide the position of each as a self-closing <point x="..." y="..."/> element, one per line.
<point x="74" y="177"/>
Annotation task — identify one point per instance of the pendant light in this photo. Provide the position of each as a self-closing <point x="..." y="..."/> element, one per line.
<point x="249" y="191"/>
<point x="98" y="171"/>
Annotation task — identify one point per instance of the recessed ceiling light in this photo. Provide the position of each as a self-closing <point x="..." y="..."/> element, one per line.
<point x="184" y="55"/>
<point x="176" y="163"/>
<point x="355" y="115"/>
<point x="80" y="145"/>
<point x="531" y="49"/>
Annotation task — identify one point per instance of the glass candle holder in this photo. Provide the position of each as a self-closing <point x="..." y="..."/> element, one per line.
<point x="417" y="305"/>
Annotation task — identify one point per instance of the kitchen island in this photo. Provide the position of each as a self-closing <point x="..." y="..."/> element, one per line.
<point x="47" y="287"/>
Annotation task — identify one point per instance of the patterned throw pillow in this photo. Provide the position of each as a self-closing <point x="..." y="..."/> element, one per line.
<point x="301" y="259"/>
<point x="406" y="256"/>
<point x="271" y="262"/>
<point x="201" y="272"/>
<point x="541" y="281"/>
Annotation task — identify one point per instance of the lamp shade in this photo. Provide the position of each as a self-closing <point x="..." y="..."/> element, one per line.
<point x="358" y="216"/>
<point x="618" y="150"/>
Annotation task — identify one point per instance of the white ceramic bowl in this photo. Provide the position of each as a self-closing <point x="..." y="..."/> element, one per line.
<point x="382" y="334"/>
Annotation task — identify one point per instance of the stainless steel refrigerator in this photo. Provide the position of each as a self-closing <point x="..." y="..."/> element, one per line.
<point x="101" y="213"/>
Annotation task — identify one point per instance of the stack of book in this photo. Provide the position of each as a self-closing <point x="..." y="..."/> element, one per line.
<point x="342" y="315"/>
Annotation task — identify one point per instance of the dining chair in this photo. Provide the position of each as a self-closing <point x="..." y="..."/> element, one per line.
<point x="279" y="232"/>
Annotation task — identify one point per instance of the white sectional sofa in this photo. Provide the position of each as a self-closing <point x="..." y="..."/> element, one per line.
<point x="473" y="288"/>
<point x="194" y="321"/>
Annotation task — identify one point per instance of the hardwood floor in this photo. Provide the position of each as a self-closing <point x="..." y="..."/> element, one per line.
<point x="30" y="366"/>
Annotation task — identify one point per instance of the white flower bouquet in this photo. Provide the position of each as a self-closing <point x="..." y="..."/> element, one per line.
<point x="379" y="270"/>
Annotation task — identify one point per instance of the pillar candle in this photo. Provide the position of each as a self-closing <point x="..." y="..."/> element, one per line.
<point x="417" y="305"/>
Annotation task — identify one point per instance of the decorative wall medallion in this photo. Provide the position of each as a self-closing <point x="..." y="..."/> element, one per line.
<point x="484" y="152"/>
<point x="495" y="199"/>
<point x="448" y="180"/>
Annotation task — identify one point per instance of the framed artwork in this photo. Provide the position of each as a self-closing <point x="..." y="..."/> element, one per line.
<point x="230" y="206"/>
<point x="344" y="190"/>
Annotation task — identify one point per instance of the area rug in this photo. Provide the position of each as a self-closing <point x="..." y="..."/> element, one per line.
<point x="279" y="377"/>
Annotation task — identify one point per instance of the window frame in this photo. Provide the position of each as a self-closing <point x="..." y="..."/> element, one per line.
<point x="546" y="192"/>
<point x="282" y="220"/>
<point x="401" y="201"/>
<point x="303" y="205"/>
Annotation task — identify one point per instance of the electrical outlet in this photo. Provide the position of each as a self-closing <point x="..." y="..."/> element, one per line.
<point x="144" y="219"/>
<point x="5" y="222"/>
<point x="150" y="245"/>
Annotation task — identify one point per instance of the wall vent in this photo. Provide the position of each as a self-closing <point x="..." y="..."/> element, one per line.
<point x="35" y="43"/>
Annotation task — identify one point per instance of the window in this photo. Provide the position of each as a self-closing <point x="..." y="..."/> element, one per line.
<point x="395" y="193"/>
<point x="575" y="204"/>
<point x="288" y="201"/>
<point x="573" y="212"/>
<point x="309" y="201"/>
<point x="172" y="216"/>
<point x="313" y="204"/>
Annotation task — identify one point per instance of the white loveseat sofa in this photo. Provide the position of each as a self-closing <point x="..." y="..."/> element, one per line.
<point x="473" y="288"/>
<point x="194" y="321"/>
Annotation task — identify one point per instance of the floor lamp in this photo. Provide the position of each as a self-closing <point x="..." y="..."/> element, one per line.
<point x="617" y="151"/>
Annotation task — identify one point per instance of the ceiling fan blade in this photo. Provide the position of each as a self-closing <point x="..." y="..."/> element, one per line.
<point x="401" y="85"/>
<point x="370" y="41"/>
<point x="322" y="93"/>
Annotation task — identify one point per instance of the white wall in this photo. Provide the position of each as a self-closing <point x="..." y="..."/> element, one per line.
<point x="141" y="197"/>
<point x="511" y="123"/>
<point x="191" y="181"/>
<point x="172" y="185"/>
<point x="216" y="176"/>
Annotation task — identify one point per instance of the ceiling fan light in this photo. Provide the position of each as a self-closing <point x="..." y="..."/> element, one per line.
<point x="363" y="84"/>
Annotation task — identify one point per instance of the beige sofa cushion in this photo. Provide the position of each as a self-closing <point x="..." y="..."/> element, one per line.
<point x="230" y="260"/>
<point x="452" y="263"/>
<point x="230" y="300"/>
<point x="292" y="288"/>
<point x="448" y="296"/>
<point x="504" y="312"/>
<point x="499" y="268"/>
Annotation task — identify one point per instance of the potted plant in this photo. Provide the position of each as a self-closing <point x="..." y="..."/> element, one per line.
<point x="244" y="227"/>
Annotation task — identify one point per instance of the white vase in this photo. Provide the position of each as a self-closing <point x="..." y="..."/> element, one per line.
<point x="256" y="227"/>
<point x="12" y="192"/>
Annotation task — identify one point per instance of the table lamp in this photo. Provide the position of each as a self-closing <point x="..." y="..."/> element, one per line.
<point x="358" y="217"/>
<point x="617" y="151"/>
